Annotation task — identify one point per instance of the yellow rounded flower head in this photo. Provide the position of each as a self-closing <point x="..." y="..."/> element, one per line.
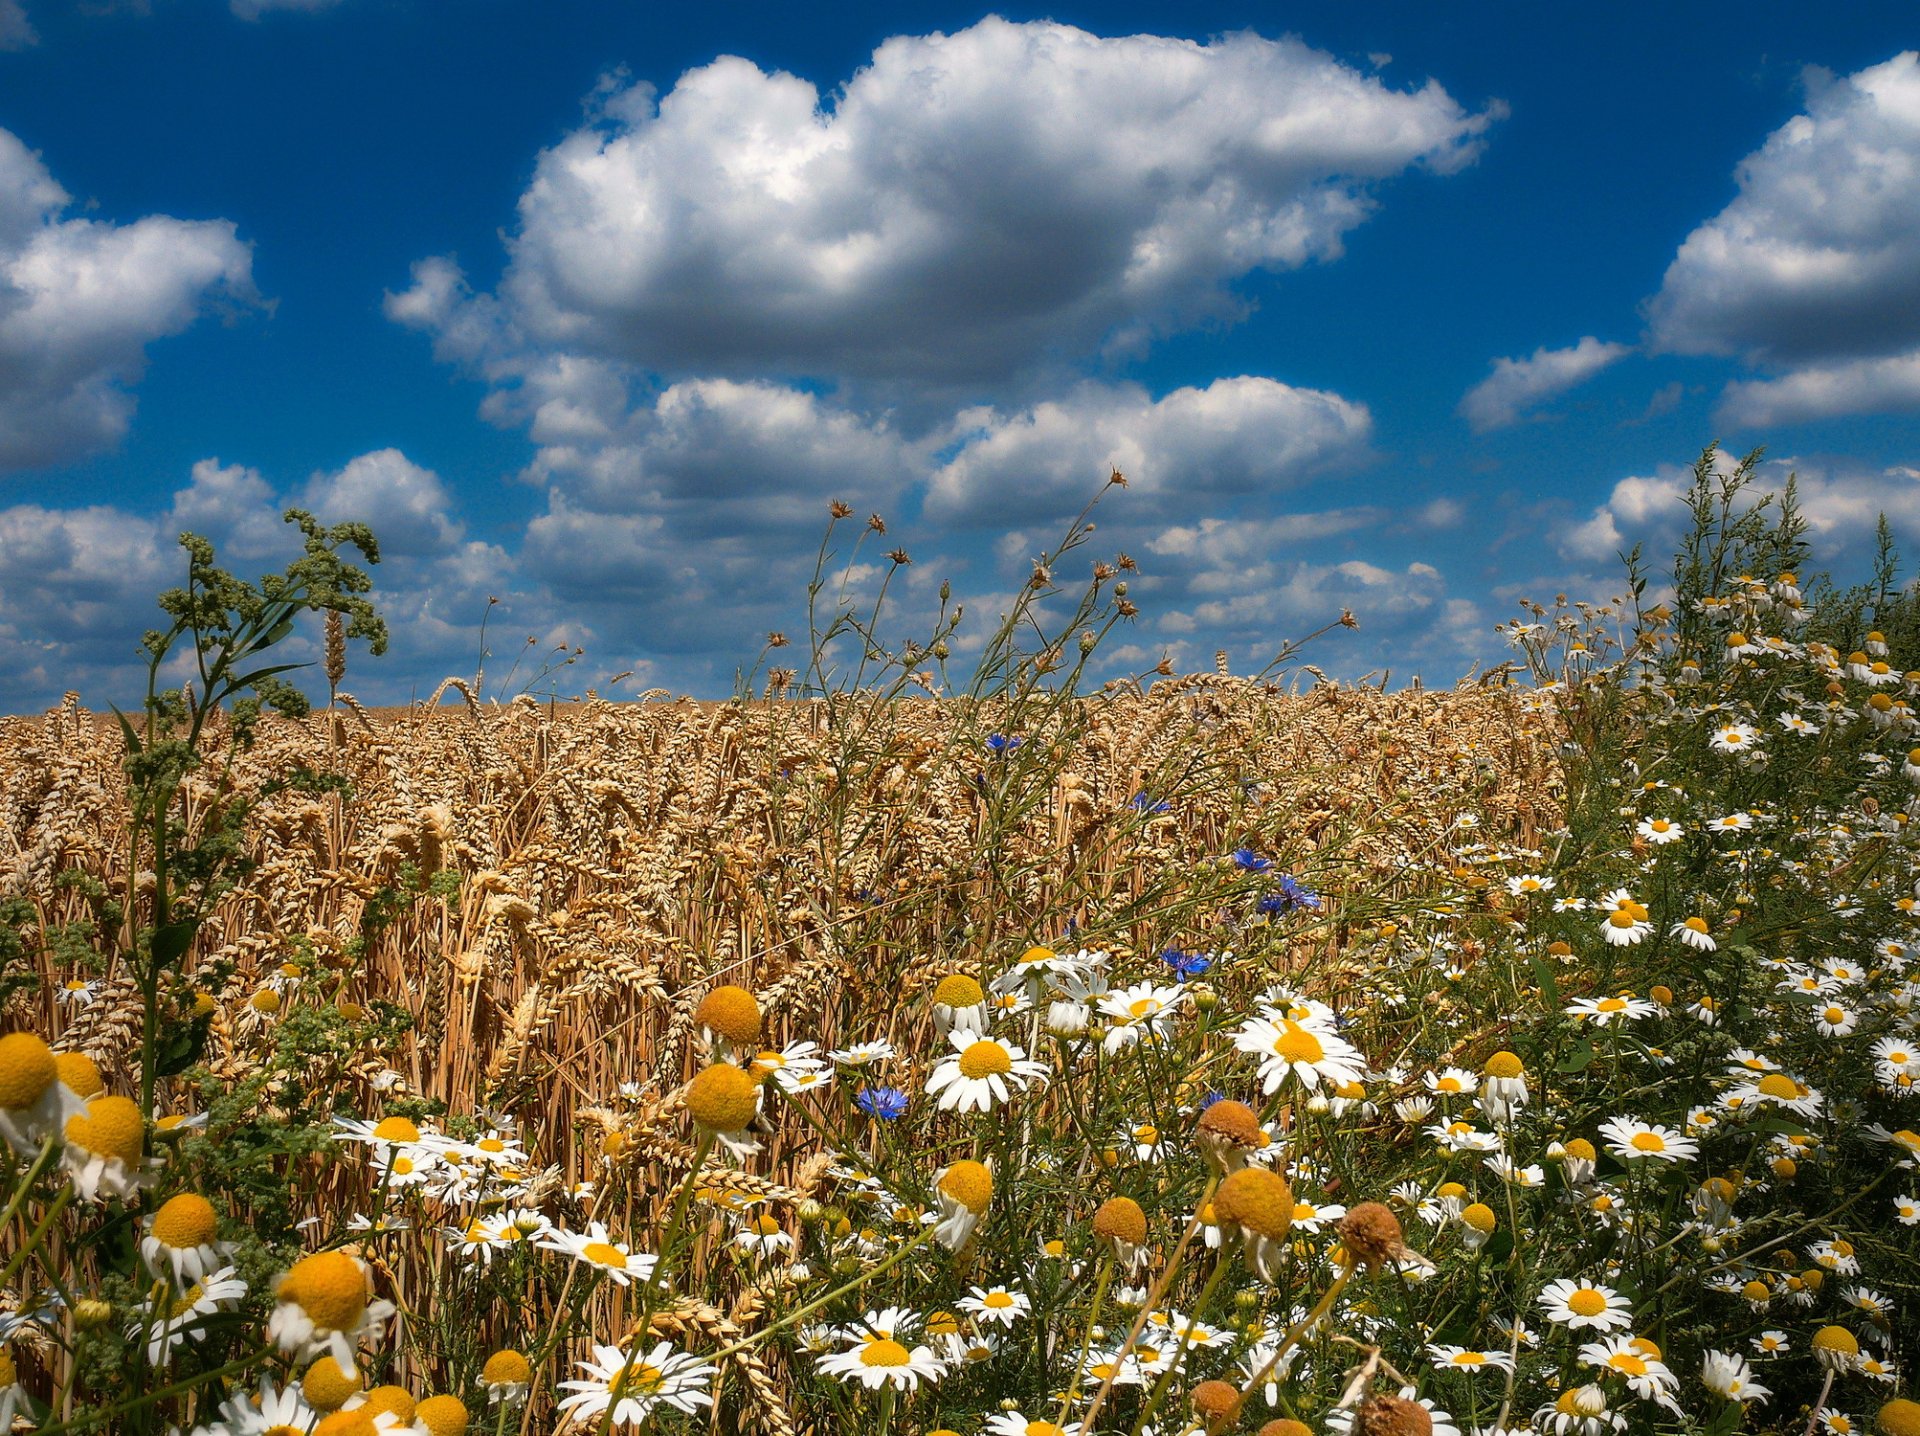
<point x="1479" y="1216"/>
<point x="357" y="1422"/>
<point x="1503" y="1064"/>
<point x="1899" y="1417"/>
<point x="396" y="1129"/>
<point x="1257" y="1199"/>
<point x="1835" y="1348"/>
<point x="395" y="1400"/>
<point x="723" y="1098"/>
<point x="1392" y="1416"/>
<point x="186" y="1221"/>
<point x="1120" y="1220"/>
<point x="326" y="1386"/>
<point x="732" y="1014"/>
<point x="442" y="1416"/>
<point x="80" y="1074"/>
<point x="1581" y="1148"/>
<point x="331" y="1287"/>
<point x="27" y="1068"/>
<point x="1371" y="1234"/>
<point x="958" y="990"/>
<point x="1285" y="1426"/>
<point x="104" y="1146"/>
<point x="985" y="1059"/>
<point x="969" y="1183"/>
<point x="506" y="1367"/>
<point x="1217" y="1404"/>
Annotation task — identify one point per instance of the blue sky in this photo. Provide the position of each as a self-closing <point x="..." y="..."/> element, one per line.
<point x="592" y="308"/>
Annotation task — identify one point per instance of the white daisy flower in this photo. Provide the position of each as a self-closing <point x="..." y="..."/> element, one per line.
<point x="982" y="1073"/>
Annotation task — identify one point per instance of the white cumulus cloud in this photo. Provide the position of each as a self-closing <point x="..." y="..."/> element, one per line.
<point x="1813" y="271"/>
<point x="80" y="300"/>
<point x="964" y="207"/>
<point x="16" y="30"/>
<point x="1517" y="385"/>
<point x="1235" y="437"/>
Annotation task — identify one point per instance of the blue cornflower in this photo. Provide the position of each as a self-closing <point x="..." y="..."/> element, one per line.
<point x="1001" y="743"/>
<point x="1141" y="803"/>
<point x="1186" y="964"/>
<point x="886" y="1103"/>
<point x="1293" y="896"/>
<point x="1250" y="861"/>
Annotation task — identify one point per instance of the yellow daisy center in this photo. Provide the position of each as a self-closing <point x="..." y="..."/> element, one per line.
<point x="330" y="1287"/>
<point x="1649" y="1142"/>
<point x="970" y="1184"/>
<point x="885" y="1353"/>
<point x="958" y="991"/>
<point x="1586" y="1302"/>
<point x="985" y="1059"/>
<point x="396" y="1129"/>
<point x="1296" y="1044"/>
<point x="27" y="1069"/>
<point x="185" y="1222"/>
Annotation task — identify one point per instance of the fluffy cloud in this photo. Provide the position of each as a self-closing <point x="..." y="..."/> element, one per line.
<point x="1814" y="268"/>
<point x="81" y="299"/>
<point x="1516" y="385"/>
<point x="407" y="506"/>
<point x="1233" y="438"/>
<point x="1840" y="500"/>
<point x="966" y="206"/>
<point x="16" y="30"/>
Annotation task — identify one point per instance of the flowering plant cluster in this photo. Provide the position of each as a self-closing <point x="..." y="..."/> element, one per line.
<point x="1152" y="1102"/>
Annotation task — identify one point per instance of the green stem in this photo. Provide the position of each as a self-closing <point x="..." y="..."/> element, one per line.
<point x="1165" y="1383"/>
<point x="799" y="1313"/>
<point x="178" y="1388"/>
<point x="1086" y="1341"/>
<point x="54" y="1208"/>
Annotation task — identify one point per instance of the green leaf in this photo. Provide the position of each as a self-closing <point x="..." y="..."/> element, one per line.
<point x="170" y="943"/>
<point x="181" y="1047"/>
<point x="1579" y="1061"/>
<point x="1544" y="978"/>
<point x="126" y="729"/>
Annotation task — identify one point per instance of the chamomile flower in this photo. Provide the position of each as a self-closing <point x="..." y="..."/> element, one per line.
<point x="633" y="1385"/>
<point x="960" y="1002"/>
<point x="1460" y="1358"/>
<point x="964" y="1191"/>
<point x="999" y="1305"/>
<point x="876" y="1361"/>
<point x="597" y="1248"/>
<point x="1585" y="1304"/>
<point x="170" y="1320"/>
<point x="1695" y="933"/>
<point x="1601" y="1011"/>
<point x="1014" y="1423"/>
<point x="34" y="1103"/>
<point x="865" y="1054"/>
<point x="1144" y="1011"/>
<point x="1727" y="1375"/>
<point x="1308" y="1050"/>
<point x="982" y="1073"/>
<point x="1734" y="738"/>
<point x="103" y="1154"/>
<point x="182" y="1239"/>
<point x="1635" y="1359"/>
<point x="325" y="1305"/>
<point x="1632" y="1140"/>
<point x="1660" y="831"/>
